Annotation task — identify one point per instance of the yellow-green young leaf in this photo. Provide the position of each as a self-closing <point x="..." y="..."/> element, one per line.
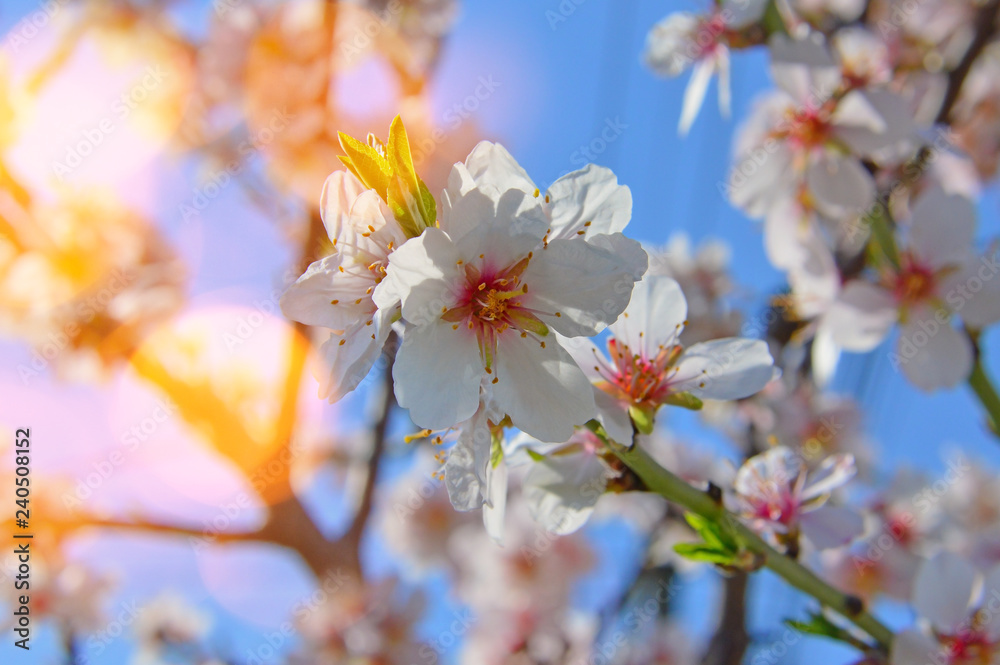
<point x="404" y="207"/>
<point x="371" y="168"/>
<point x="428" y="205"/>
<point x="401" y="161"/>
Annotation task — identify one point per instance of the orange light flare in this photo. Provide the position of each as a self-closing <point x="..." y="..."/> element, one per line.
<point x="97" y="106"/>
<point x="234" y="378"/>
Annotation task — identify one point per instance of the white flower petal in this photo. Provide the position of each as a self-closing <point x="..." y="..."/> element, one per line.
<point x="348" y="364"/>
<point x="804" y="68"/>
<point x="836" y="470"/>
<point x="760" y="179"/>
<point x="614" y="417"/>
<point x="655" y="315"/>
<point x="911" y="647"/>
<point x="587" y="283"/>
<point x="420" y="275"/>
<point x="741" y="13"/>
<point x="832" y="526"/>
<point x="725" y="369"/>
<point x="463" y="469"/>
<point x="340" y="191"/>
<point x="943" y="591"/>
<point x="541" y="389"/>
<point x="933" y="355"/>
<point x="591" y="197"/>
<point x="861" y="317"/>
<point x="310" y="300"/>
<point x="840" y="185"/>
<point x="491" y="165"/>
<point x="495" y="501"/>
<point x="561" y="491"/>
<point x="943" y="227"/>
<point x="694" y="95"/>
<point x="437" y="374"/>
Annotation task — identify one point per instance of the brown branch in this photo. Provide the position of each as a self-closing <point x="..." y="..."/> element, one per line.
<point x="730" y="640"/>
<point x="145" y="526"/>
<point x="379" y="436"/>
<point x="985" y="23"/>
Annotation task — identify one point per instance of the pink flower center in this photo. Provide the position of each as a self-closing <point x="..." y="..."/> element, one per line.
<point x="914" y="283"/>
<point x="971" y="647"/>
<point x="492" y="302"/>
<point x="777" y="506"/>
<point x="708" y="34"/>
<point x="636" y="378"/>
<point x="806" y="128"/>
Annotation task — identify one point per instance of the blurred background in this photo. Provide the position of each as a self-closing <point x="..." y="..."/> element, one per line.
<point x="193" y="500"/>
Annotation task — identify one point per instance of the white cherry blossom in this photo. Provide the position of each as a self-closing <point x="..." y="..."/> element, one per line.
<point x="939" y="277"/>
<point x="959" y="622"/>
<point x="646" y="366"/>
<point x="480" y="295"/>
<point x="683" y="40"/>
<point x="336" y="291"/>
<point x="776" y="494"/>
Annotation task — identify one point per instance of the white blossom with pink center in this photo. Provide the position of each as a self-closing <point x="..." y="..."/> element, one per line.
<point x="646" y="366"/>
<point x="776" y="494"/>
<point x="939" y="276"/>
<point x="479" y="296"/>
<point x="959" y="614"/>
<point x="336" y="291"/>
<point x="684" y="40"/>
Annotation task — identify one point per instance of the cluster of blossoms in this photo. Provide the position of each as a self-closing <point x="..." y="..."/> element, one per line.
<point x="493" y="303"/>
<point x="852" y="114"/>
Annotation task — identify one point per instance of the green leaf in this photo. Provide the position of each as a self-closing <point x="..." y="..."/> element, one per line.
<point x="820" y="625"/>
<point x="696" y="552"/>
<point x="720" y="543"/>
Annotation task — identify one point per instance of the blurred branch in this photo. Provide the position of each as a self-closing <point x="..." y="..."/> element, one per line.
<point x="983" y="387"/>
<point x="379" y="436"/>
<point x="145" y="526"/>
<point x="985" y="22"/>
<point x="730" y="640"/>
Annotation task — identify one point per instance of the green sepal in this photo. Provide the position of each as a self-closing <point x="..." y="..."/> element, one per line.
<point x="643" y="418"/>
<point x="685" y="401"/>
<point x="536" y="456"/>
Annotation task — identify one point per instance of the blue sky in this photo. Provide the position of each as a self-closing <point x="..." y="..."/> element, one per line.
<point x="563" y="86"/>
